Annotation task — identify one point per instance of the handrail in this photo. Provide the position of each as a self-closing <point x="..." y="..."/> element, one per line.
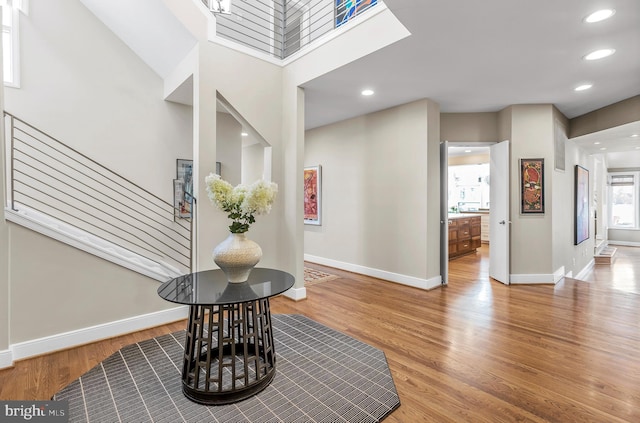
<point x="58" y="181"/>
<point x="268" y="27"/>
<point x="84" y="156"/>
<point x="89" y="177"/>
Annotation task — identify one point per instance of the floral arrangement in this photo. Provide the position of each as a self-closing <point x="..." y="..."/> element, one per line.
<point x="241" y="202"/>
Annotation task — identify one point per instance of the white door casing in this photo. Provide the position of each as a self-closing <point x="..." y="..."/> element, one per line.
<point x="444" y="211"/>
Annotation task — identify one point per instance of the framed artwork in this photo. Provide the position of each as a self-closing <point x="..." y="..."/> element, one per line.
<point x="219" y="169"/>
<point x="532" y="186"/>
<point x="183" y="188"/>
<point x="178" y="197"/>
<point x="581" y="205"/>
<point x="312" y="195"/>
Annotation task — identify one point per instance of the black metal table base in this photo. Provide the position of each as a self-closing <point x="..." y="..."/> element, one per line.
<point x="228" y="353"/>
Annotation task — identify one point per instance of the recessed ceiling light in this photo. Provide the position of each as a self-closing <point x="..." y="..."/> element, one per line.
<point x="583" y="87"/>
<point x="597" y="142"/>
<point x="367" y="92"/>
<point x="467" y="151"/>
<point x="599" y="15"/>
<point x="244" y="134"/>
<point x="603" y="148"/>
<point x="634" y="136"/>
<point x="600" y="54"/>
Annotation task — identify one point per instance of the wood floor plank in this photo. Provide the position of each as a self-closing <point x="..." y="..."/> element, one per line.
<point x="473" y="351"/>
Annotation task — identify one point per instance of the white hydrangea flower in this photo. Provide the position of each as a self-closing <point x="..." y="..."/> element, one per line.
<point x="260" y="197"/>
<point x="241" y="202"/>
<point x="218" y="190"/>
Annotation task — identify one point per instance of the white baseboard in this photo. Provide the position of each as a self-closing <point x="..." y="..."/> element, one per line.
<point x="625" y="243"/>
<point x="95" y="333"/>
<point x="6" y="359"/>
<point x="581" y="274"/>
<point x="558" y="274"/>
<point x="377" y="273"/>
<point x="296" y="294"/>
<point x="530" y="279"/>
<point x="569" y="274"/>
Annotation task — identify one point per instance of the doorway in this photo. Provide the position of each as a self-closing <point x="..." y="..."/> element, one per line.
<point x="467" y="215"/>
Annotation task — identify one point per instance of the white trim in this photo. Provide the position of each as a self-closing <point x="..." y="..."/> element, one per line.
<point x="569" y="275"/>
<point x="528" y="279"/>
<point x="625" y="243"/>
<point x="378" y="273"/>
<point x="558" y="275"/>
<point x="296" y="294"/>
<point x="91" y="244"/>
<point x="581" y="274"/>
<point x="6" y="359"/>
<point x="95" y="333"/>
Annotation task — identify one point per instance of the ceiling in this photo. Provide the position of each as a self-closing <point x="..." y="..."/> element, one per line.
<point x="482" y="56"/>
<point x="466" y="55"/>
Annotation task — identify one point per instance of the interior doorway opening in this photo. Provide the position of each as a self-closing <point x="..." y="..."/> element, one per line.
<point x="468" y="210"/>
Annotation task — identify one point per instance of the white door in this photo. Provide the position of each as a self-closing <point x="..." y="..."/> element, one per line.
<point x="444" y="211"/>
<point x="499" y="217"/>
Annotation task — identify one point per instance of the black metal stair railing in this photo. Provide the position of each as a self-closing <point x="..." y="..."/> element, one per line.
<point x="60" y="182"/>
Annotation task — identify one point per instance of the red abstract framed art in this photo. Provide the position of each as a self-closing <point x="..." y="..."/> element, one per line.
<point x="313" y="195"/>
<point x="532" y="186"/>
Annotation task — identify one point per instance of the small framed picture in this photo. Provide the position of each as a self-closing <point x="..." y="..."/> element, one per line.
<point x="183" y="188"/>
<point x="313" y="195"/>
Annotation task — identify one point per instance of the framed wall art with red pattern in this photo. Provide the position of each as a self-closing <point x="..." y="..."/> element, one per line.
<point x="312" y="195"/>
<point x="531" y="186"/>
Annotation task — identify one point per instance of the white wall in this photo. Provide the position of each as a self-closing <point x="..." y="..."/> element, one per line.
<point x="531" y="240"/>
<point x="624" y="237"/>
<point x="85" y="87"/>
<point x="4" y="241"/>
<point x="574" y="258"/>
<point x="375" y="207"/>
<point x="252" y="163"/>
<point x="254" y="88"/>
<point x="363" y="38"/>
<point x="56" y="288"/>
<point x="82" y="85"/>
<point x="471" y="127"/>
<point x="229" y="147"/>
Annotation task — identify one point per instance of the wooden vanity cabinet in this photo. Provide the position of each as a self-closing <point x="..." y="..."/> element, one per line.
<point x="464" y="234"/>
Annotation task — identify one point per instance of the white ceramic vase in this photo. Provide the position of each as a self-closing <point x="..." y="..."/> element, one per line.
<point x="237" y="256"/>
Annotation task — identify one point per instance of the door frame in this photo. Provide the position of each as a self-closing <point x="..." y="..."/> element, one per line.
<point x="444" y="230"/>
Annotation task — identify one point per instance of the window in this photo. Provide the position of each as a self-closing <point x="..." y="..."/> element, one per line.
<point x="468" y="187"/>
<point x="10" y="46"/>
<point x="623" y="200"/>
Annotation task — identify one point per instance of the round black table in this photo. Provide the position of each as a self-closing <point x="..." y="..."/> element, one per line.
<point x="228" y="351"/>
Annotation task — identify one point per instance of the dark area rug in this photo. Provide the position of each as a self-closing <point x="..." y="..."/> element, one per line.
<point x="322" y="376"/>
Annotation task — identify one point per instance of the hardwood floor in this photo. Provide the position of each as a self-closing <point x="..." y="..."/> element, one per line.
<point x="474" y="351"/>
